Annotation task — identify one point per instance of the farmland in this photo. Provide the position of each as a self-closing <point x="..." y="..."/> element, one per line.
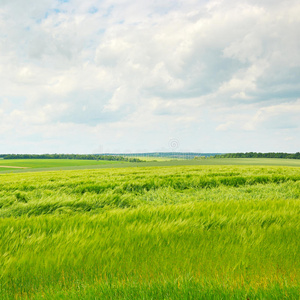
<point x="49" y="163"/>
<point x="38" y="165"/>
<point x="152" y="232"/>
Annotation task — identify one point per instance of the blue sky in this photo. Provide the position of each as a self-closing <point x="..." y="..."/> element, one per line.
<point x="128" y="76"/>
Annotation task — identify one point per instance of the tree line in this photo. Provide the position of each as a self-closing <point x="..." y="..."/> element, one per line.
<point x="70" y="156"/>
<point x="260" y="155"/>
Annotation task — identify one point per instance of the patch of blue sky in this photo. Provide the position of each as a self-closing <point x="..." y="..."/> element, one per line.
<point x="93" y="10"/>
<point x="48" y="13"/>
<point x="40" y="20"/>
<point x="108" y="11"/>
<point x="101" y="31"/>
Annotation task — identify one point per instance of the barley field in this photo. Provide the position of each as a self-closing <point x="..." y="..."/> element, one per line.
<point x="168" y="232"/>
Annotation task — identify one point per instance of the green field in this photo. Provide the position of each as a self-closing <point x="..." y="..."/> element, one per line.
<point x="25" y="164"/>
<point x="173" y="232"/>
<point x="37" y="165"/>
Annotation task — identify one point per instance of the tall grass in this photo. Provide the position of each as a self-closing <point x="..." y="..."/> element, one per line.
<point x="153" y="233"/>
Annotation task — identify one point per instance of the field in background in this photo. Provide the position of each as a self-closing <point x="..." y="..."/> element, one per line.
<point x="50" y="163"/>
<point x="4" y="169"/>
<point x="154" y="159"/>
<point x="33" y="165"/>
<point x="224" y="161"/>
<point x="179" y="232"/>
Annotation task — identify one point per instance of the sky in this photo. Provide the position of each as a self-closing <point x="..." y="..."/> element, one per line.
<point x="142" y="76"/>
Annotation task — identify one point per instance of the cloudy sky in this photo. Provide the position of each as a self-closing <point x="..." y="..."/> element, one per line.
<point x="126" y="76"/>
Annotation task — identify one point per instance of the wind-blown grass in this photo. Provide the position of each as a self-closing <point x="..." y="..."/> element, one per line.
<point x="191" y="232"/>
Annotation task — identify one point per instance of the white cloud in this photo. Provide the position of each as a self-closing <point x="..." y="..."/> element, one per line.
<point x="276" y="116"/>
<point x="225" y="126"/>
<point x="192" y="68"/>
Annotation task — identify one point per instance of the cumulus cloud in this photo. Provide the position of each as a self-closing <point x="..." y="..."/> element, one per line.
<point x="124" y="73"/>
<point x="281" y="116"/>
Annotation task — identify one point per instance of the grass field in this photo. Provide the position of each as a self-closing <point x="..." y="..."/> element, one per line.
<point x="50" y="163"/>
<point x="4" y="169"/>
<point x="177" y="232"/>
<point x="37" y="165"/>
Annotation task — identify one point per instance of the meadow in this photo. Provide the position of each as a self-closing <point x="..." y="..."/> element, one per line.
<point x="164" y="232"/>
<point x="11" y="164"/>
<point x="38" y="165"/>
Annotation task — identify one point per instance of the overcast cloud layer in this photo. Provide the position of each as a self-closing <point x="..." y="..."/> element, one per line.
<point x="117" y="76"/>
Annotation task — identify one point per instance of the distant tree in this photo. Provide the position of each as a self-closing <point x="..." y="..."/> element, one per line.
<point x="259" y="155"/>
<point x="71" y="156"/>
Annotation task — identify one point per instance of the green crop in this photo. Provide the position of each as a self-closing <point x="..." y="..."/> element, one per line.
<point x="38" y="165"/>
<point x="181" y="232"/>
<point x="50" y="163"/>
